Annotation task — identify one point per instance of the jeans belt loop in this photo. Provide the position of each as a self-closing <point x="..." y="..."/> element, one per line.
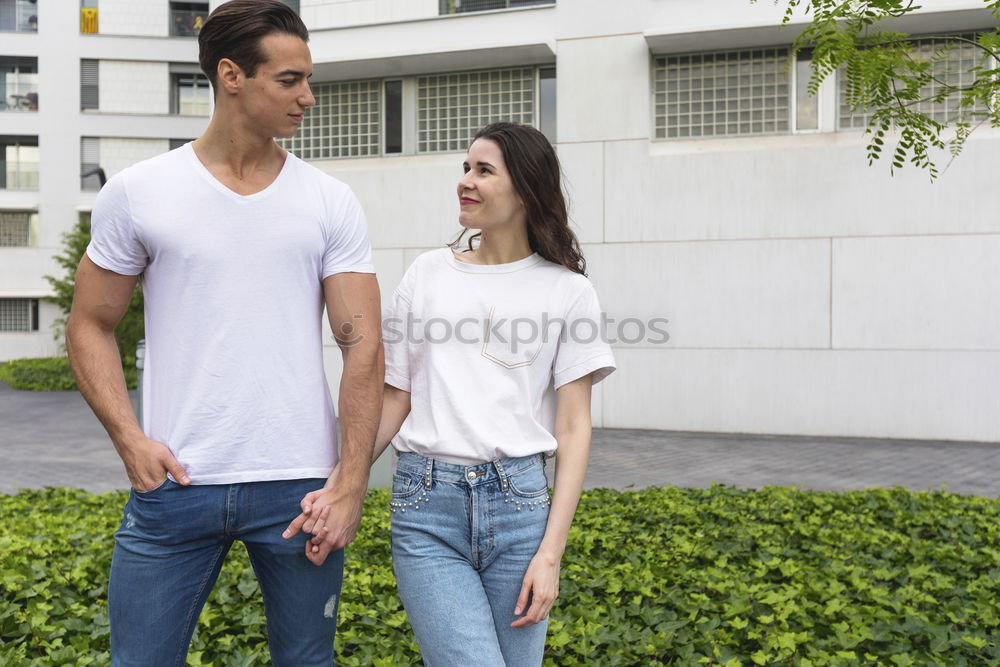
<point x="428" y="470"/>
<point x="501" y="472"/>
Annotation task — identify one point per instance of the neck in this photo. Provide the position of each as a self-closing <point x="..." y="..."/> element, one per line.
<point x="503" y="246"/>
<point x="228" y="142"/>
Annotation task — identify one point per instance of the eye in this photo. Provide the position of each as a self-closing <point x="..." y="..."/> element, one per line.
<point x="465" y="169"/>
<point x="485" y="170"/>
<point x="288" y="82"/>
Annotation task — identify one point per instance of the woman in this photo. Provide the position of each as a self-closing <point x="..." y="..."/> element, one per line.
<point x="490" y="358"/>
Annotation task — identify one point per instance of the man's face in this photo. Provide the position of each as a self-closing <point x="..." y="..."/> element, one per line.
<point x="278" y="95"/>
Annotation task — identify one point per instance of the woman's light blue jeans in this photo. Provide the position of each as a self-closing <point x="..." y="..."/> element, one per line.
<point x="168" y="554"/>
<point x="462" y="538"/>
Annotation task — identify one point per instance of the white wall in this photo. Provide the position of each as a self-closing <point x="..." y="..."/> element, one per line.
<point x="134" y="87"/>
<point x="129" y="17"/>
<point x="805" y="292"/>
<point x="319" y="14"/>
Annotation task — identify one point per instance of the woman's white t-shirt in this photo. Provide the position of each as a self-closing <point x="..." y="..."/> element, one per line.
<point x="482" y="350"/>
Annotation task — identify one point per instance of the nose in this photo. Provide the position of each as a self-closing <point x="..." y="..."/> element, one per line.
<point x="465" y="183"/>
<point x="307" y="99"/>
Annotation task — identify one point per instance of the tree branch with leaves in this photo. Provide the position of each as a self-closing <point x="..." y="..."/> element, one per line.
<point x="910" y="87"/>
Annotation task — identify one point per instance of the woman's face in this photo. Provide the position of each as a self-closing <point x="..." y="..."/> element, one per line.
<point x="486" y="192"/>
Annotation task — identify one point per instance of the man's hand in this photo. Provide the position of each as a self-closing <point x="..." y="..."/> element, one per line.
<point x="331" y="515"/>
<point x="541" y="586"/>
<point x="147" y="463"/>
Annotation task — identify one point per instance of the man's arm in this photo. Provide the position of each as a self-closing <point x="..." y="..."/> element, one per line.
<point x="354" y="307"/>
<point x="100" y="300"/>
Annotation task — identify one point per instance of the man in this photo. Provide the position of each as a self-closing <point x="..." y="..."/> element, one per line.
<point x="239" y="244"/>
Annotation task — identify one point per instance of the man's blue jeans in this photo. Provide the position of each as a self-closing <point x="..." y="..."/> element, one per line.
<point x="169" y="551"/>
<point x="462" y="539"/>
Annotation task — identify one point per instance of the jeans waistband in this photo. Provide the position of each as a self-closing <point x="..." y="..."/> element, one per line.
<point x="499" y="468"/>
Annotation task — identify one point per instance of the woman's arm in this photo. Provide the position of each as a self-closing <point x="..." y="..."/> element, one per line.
<point x="572" y="433"/>
<point x="395" y="409"/>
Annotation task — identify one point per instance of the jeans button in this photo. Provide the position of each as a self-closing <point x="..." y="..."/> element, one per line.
<point x="471" y="475"/>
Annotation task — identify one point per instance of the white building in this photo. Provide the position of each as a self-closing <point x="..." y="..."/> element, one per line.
<point x="805" y="292"/>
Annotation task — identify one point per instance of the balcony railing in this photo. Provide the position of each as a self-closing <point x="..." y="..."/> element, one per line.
<point x="19" y="15"/>
<point x="467" y="6"/>
<point x="187" y="22"/>
<point x="19" y="93"/>
<point x="22" y="176"/>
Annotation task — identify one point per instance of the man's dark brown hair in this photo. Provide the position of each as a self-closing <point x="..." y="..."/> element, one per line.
<point x="234" y="31"/>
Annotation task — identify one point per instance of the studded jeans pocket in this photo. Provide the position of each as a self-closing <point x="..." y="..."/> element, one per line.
<point x="408" y="492"/>
<point x="528" y="489"/>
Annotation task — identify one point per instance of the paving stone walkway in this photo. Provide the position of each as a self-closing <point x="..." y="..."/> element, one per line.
<point x="53" y="439"/>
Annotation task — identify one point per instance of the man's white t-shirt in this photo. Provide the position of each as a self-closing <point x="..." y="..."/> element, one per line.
<point x="482" y="350"/>
<point x="233" y="381"/>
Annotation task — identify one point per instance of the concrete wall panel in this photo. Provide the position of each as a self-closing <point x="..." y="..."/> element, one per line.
<point x="930" y="292"/>
<point x="743" y="294"/>
<point x="931" y="395"/>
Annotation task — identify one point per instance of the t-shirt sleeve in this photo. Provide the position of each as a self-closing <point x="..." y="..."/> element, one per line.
<point x="394" y="334"/>
<point x="114" y="244"/>
<point x="583" y="348"/>
<point x="348" y="249"/>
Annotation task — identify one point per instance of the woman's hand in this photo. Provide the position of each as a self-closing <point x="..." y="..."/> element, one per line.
<point x="541" y="586"/>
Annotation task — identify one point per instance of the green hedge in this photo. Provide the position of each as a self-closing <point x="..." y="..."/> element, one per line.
<point x="50" y="374"/>
<point x="660" y="576"/>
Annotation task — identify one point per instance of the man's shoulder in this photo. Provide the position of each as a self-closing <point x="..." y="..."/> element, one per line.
<point x="310" y="174"/>
<point x="155" y="169"/>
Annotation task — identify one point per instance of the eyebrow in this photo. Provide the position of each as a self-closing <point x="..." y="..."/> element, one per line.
<point x="480" y="164"/>
<point x="293" y="72"/>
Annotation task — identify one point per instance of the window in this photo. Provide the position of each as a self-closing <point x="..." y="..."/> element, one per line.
<point x="451" y="107"/>
<point x="423" y="114"/>
<point x="465" y="6"/>
<point x="344" y="123"/>
<point x="90" y="161"/>
<point x="730" y="93"/>
<point x="951" y="67"/>
<point x="18" y="83"/>
<point x="15" y="229"/>
<point x="18" y="163"/>
<point x="90" y="97"/>
<point x="191" y="94"/>
<point x="187" y="18"/>
<point x="18" y="315"/>
<point x="19" y="15"/>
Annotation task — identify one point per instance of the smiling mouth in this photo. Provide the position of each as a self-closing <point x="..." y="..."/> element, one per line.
<point x="466" y="200"/>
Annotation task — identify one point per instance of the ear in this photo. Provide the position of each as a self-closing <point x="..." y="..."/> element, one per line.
<point x="229" y="76"/>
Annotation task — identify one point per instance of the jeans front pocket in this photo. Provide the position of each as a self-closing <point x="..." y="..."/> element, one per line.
<point x="528" y="489"/>
<point x="408" y="491"/>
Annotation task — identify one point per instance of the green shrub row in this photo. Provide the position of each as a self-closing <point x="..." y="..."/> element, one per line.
<point x="50" y="374"/>
<point x="663" y="576"/>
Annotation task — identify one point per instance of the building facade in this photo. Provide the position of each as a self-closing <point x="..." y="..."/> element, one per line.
<point x="803" y="291"/>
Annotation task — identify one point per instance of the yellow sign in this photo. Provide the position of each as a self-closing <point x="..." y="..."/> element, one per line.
<point x="88" y="20"/>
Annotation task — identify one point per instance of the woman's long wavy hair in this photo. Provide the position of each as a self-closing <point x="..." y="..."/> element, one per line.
<point x="535" y="172"/>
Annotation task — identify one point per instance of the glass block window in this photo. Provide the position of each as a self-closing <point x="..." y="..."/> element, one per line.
<point x="951" y="69"/>
<point x="451" y="107"/>
<point x="344" y="123"/>
<point x="729" y="93"/>
<point x="15" y="228"/>
<point x="18" y="315"/>
<point x="465" y="6"/>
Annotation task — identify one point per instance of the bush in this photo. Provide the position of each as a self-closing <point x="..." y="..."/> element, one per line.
<point x="660" y="576"/>
<point x="130" y="329"/>
<point x="50" y="374"/>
